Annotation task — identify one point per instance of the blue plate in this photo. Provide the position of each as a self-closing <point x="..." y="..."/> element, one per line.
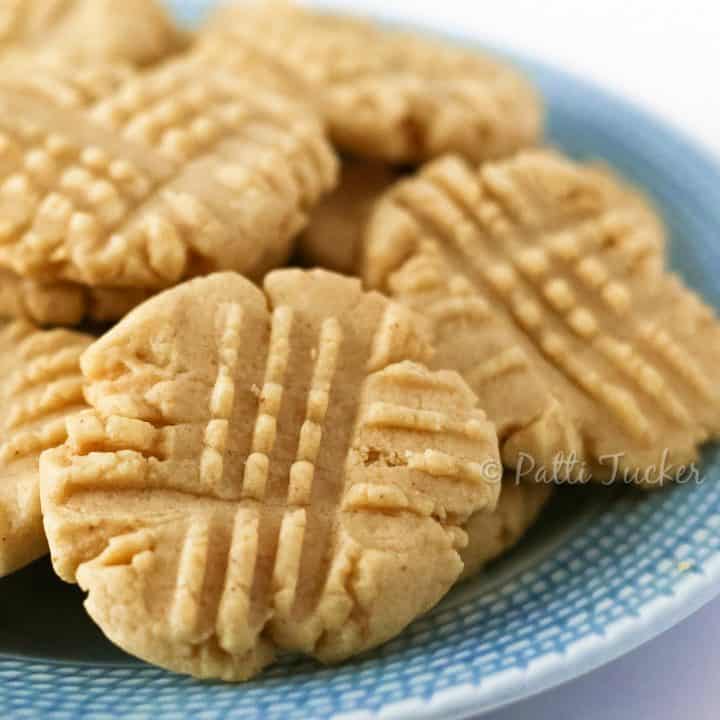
<point x="603" y="571"/>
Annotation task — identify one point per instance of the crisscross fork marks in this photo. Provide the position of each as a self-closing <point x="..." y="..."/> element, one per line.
<point x="117" y="203"/>
<point x="573" y="248"/>
<point x="512" y="278"/>
<point x="498" y="279"/>
<point x="296" y="491"/>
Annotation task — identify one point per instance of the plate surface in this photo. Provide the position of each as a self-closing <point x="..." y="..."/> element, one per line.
<point x="602" y="572"/>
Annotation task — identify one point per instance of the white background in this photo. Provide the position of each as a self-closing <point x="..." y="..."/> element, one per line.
<point x="665" y="55"/>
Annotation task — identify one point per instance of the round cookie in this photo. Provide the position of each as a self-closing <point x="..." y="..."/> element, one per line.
<point x="546" y="288"/>
<point x="64" y="303"/>
<point x="40" y="385"/>
<point x="386" y="95"/>
<point x="265" y="470"/>
<point x="133" y="31"/>
<point x="492" y="533"/>
<point x="333" y="237"/>
<point x="182" y="170"/>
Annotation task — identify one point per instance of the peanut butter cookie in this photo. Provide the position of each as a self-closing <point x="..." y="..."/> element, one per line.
<point x="546" y="286"/>
<point x="180" y="171"/>
<point x="386" y="95"/>
<point x="265" y="470"/>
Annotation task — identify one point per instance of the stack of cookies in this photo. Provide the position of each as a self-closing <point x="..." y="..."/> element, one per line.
<point x="260" y="459"/>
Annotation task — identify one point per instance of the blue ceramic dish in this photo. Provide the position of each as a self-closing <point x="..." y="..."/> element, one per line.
<point x="602" y="572"/>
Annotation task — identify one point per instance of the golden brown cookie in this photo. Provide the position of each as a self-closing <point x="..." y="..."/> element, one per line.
<point x="387" y="95"/>
<point x="265" y="470"/>
<point x="40" y="385"/>
<point x="64" y="303"/>
<point x="134" y="31"/>
<point x="333" y="237"/>
<point x="548" y="293"/>
<point x="181" y="171"/>
<point x="492" y="533"/>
